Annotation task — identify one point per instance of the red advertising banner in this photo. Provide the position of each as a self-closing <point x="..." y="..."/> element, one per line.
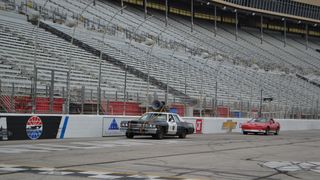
<point x="199" y="126"/>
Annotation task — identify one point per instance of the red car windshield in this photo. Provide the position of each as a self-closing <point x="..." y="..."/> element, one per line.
<point x="258" y="120"/>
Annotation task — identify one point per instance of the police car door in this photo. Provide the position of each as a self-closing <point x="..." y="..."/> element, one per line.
<point x="172" y="125"/>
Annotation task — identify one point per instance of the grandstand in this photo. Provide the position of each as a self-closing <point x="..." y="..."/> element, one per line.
<point x="203" y="71"/>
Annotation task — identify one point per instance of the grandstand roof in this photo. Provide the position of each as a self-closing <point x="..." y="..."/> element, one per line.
<point x="222" y="2"/>
<point x="312" y="2"/>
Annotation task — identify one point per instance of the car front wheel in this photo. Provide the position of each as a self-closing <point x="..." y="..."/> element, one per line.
<point x="277" y="132"/>
<point x="129" y="135"/>
<point x="159" y="134"/>
<point x="267" y="131"/>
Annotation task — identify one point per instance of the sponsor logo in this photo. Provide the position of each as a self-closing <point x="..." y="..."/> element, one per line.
<point x="34" y="127"/>
<point x="229" y="125"/>
<point x="114" y="125"/>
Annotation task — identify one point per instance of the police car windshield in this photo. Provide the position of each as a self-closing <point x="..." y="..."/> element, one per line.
<point x="153" y="117"/>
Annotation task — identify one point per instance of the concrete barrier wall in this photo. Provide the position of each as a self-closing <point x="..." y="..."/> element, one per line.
<point x="77" y="126"/>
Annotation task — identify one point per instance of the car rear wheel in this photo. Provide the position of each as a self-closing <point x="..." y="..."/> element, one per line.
<point x="183" y="134"/>
<point x="277" y="132"/>
<point x="244" y="132"/>
<point x="129" y="135"/>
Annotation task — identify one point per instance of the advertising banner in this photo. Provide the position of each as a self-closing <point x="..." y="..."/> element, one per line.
<point x="29" y="127"/>
<point x="199" y="126"/>
<point x="111" y="126"/>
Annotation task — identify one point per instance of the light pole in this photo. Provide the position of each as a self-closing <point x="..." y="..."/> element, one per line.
<point x="170" y="60"/>
<point x="216" y="87"/>
<point x="126" y="60"/>
<point x="260" y="106"/>
<point x="201" y="86"/>
<point x="287" y="94"/>
<point x="148" y="65"/>
<point x="100" y="60"/>
<point x="69" y="57"/>
<point x="34" y="95"/>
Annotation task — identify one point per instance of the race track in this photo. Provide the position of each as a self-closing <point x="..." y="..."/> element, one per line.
<point x="291" y="155"/>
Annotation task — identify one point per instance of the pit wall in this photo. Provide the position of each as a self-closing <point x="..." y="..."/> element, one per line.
<point x="37" y="126"/>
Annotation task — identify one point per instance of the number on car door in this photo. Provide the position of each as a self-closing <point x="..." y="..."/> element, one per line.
<point x="172" y="125"/>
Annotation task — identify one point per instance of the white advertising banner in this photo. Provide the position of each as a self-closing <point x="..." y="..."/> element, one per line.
<point x="111" y="125"/>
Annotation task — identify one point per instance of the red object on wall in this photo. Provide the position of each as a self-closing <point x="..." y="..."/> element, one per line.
<point x="23" y="104"/>
<point x="116" y="108"/>
<point x="199" y="126"/>
<point x="223" y="111"/>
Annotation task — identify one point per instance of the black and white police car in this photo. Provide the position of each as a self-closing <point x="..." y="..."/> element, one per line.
<point x="158" y="125"/>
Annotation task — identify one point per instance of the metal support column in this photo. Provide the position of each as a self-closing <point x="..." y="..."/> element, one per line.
<point x="12" y="104"/>
<point x="317" y="110"/>
<point x="236" y="33"/>
<point x="98" y="100"/>
<point x="185" y="92"/>
<point x="261" y="29"/>
<point x="121" y="6"/>
<point x="65" y="96"/>
<point x="47" y="89"/>
<point x="125" y="90"/>
<point x="192" y="14"/>
<point x="166" y="11"/>
<point x="145" y="9"/>
<point x="284" y="32"/>
<point x="51" y="93"/>
<point x="215" y="21"/>
<point x="26" y="6"/>
<point x="307" y="37"/>
<point x="216" y="100"/>
<point x="260" y="108"/>
<point x="34" y="92"/>
<point x="83" y="90"/>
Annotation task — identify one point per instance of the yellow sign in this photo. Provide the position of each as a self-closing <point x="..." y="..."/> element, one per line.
<point x="229" y="125"/>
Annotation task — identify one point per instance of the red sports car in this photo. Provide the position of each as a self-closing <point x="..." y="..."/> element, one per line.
<point x="261" y="125"/>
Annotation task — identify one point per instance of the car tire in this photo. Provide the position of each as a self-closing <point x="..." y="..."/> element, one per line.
<point x="159" y="134"/>
<point x="244" y="132"/>
<point x="183" y="134"/>
<point x="277" y="132"/>
<point x="267" y="131"/>
<point x="154" y="136"/>
<point x="129" y="135"/>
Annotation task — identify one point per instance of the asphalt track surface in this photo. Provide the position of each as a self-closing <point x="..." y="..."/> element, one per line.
<point x="291" y="155"/>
